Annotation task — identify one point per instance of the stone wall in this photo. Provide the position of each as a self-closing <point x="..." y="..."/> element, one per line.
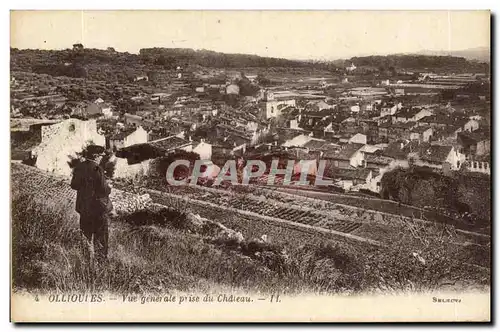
<point x="64" y="139"/>
<point x="478" y="166"/>
<point x="124" y="170"/>
<point x="137" y="137"/>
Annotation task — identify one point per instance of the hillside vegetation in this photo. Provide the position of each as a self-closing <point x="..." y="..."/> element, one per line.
<point x="122" y="66"/>
<point x="163" y="249"/>
<point x="463" y="196"/>
<point x="421" y="63"/>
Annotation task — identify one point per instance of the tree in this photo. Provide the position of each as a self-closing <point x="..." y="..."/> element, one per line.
<point x="262" y="80"/>
<point x="447" y="95"/>
<point x="77" y="47"/>
<point x="392" y="70"/>
<point x="246" y="87"/>
<point x="167" y="62"/>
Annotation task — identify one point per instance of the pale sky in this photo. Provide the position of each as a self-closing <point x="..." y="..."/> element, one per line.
<point x="287" y="34"/>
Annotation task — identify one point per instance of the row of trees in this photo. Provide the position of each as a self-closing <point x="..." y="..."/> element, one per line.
<point x="419" y="62"/>
<point x="76" y="71"/>
<point x="50" y="61"/>
<point x="171" y="57"/>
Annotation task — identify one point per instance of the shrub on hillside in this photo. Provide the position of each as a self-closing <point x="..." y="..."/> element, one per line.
<point x="421" y="187"/>
<point x="336" y="267"/>
<point x="162" y="217"/>
<point x="424" y="257"/>
<point x="35" y="230"/>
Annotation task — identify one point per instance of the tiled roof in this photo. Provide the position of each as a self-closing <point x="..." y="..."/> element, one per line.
<point x="369" y="149"/>
<point x="132" y="116"/>
<point x="122" y="134"/>
<point x="330" y="147"/>
<point x="379" y="160"/>
<point x="435" y="153"/>
<point x="92" y="109"/>
<point x="385" y="125"/>
<point x="448" y="120"/>
<point x="402" y="125"/>
<point x="477" y="136"/>
<point x="170" y="143"/>
<point x="285" y="134"/>
<point x="407" y="112"/>
<point x="344" y="154"/>
<point x="339" y="117"/>
<point x="420" y="129"/>
<point x="139" y="152"/>
<point x="395" y="151"/>
<point x="350" y="174"/>
<point x="315" y="144"/>
<point x="323" y="105"/>
<point x="290" y="111"/>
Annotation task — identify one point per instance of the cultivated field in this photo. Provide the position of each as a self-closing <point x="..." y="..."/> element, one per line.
<point x="179" y="242"/>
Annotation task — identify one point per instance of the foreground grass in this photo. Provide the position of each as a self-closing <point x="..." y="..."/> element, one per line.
<point x="160" y="254"/>
<point x="50" y="254"/>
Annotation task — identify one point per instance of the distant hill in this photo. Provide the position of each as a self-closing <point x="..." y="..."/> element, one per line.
<point x="417" y="62"/>
<point x="479" y="53"/>
<point x="206" y="58"/>
<point x="108" y="64"/>
<point x="54" y="61"/>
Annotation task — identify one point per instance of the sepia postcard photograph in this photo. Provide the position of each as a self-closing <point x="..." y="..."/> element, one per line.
<point x="250" y="166"/>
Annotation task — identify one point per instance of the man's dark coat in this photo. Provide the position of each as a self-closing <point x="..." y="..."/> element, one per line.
<point x="92" y="198"/>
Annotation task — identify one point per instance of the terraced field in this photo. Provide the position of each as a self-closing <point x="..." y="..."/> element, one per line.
<point x="290" y="224"/>
<point x="387" y="206"/>
<point x="324" y="215"/>
<point x="295" y="214"/>
<point x="309" y="211"/>
<point x="314" y="215"/>
<point x="44" y="187"/>
<point x="255" y="221"/>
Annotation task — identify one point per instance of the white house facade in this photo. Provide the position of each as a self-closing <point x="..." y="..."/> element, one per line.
<point x="64" y="139"/>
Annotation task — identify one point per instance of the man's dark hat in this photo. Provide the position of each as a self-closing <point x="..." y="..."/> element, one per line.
<point x="95" y="150"/>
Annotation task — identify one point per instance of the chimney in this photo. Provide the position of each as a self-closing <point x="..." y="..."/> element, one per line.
<point x="190" y="139"/>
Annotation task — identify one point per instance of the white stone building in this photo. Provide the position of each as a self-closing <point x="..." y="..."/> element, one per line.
<point x="128" y="138"/>
<point x="204" y="149"/>
<point x="358" y="138"/>
<point x="352" y="67"/>
<point x="64" y="139"/>
<point x="233" y="89"/>
<point x="125" y="139"/>
<point x="471" y="125"/>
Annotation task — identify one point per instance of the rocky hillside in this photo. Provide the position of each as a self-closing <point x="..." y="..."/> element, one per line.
<point x="162" y="248"/>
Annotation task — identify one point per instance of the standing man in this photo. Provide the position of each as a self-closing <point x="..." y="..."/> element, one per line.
<point x="92" y="199"/>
